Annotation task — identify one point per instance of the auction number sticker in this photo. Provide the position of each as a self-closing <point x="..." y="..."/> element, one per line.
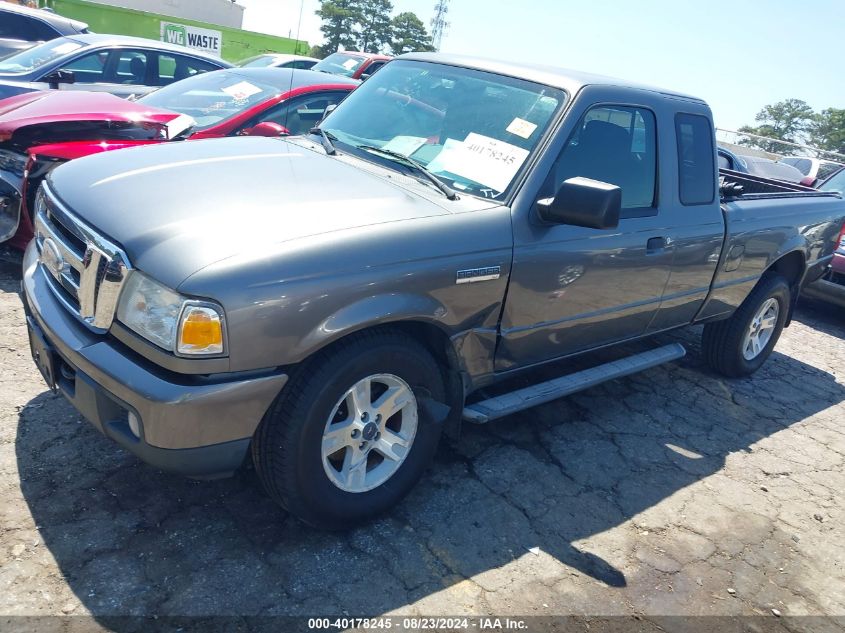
<point x="487" y="161"/>
<point x="241" y="90"/>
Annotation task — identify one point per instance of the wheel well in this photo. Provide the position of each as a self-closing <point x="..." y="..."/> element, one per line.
<point x="791" y="266"/>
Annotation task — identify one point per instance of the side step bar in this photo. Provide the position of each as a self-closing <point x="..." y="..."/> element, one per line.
<point x="508" y="403"/>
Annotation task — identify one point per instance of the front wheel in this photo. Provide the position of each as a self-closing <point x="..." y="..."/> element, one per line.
<point x="738" y="346"/>
<point x="348" y="437"/>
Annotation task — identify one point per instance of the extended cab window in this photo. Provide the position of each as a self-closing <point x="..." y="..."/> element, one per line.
<point x="696" y="173"/>
<point x="614" y="144"/>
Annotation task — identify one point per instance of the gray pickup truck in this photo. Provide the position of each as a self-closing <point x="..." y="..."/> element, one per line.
<point x="328" y="304"/>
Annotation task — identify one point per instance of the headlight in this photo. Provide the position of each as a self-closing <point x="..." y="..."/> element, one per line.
<point x="170" y="320"/>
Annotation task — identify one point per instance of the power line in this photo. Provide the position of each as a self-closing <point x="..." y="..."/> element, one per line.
<point x="439" y="23"/>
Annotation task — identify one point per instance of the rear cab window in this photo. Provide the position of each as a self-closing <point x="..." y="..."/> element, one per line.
<point x="696" y="169"/>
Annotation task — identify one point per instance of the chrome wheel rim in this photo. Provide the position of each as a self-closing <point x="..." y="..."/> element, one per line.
<point x="761" y="329"/>
<point x="369" y="433"/>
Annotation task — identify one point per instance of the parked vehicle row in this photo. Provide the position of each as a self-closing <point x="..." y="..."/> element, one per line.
<point x="22" y="27"/>
<point x="40" y="130"/>
<point x="326" y="304"/>
<point x="118" y="64"/>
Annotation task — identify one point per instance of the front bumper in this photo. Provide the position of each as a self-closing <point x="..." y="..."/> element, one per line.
<point x="198" y="426"/>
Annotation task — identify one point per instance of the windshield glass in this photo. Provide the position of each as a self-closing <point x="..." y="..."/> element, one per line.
<point x="259" y="61"/>
<point x="340" y="64"/>
<point x="834" y="183"/>
<point x="212" y="97"/>
<point x="473" y="130"/>
<point x="37" y="56"/>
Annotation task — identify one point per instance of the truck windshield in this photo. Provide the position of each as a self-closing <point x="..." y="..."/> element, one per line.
<point x="37" y="56"/>
<point x="340" y="64"/>
<point x="473" y="130"/>
<point x="210" y="98"/>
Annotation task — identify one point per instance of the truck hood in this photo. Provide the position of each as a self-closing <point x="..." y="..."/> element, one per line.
<point x="56" y="116"/>
<point x="175" y="208"/>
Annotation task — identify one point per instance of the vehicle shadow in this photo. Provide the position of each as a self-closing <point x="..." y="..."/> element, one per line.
<point x="130" y="540"/>
<point x="822" y="316"/>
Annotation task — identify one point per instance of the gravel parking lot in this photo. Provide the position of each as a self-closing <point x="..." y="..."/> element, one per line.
<point x="673" y="492"/>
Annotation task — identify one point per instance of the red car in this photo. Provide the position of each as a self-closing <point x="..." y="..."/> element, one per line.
<point x="352" y="64"/>
<point x="40" y="130"/>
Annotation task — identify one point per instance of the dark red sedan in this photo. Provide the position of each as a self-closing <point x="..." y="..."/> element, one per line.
<point x="41" y="130"/>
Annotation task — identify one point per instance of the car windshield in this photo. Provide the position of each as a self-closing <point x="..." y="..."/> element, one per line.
<point x="340" y="64"/>
<point x="37" y="56"/>
<point x="834" y="183"/>
<point x="259" y="61"/>
<point x="473" y="130"/>
<point x="212" y="97"/>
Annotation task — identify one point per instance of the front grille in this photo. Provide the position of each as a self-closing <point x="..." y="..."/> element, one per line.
<point x="85" y="271"/>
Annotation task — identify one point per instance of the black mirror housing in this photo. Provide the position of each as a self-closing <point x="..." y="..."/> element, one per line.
<point x="60" y="77"/>
<point x="583" y="202"/>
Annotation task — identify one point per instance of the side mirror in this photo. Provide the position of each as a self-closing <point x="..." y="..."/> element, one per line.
<point x="583" y="202"/>
<point x="807" y="181"/>
<point x="329" y="109"/>
<point x="60" y="77"/>
<point x="267" y="128"/>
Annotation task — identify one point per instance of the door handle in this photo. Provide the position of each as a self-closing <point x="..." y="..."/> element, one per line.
<point x="656" y="245"/>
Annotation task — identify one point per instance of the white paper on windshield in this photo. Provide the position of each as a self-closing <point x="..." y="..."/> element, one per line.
<point x="67" y="47"/>
<point x="178" y="125"/>
<point x="406" y="145"/>
<point x="521" y="127"/>
<point x="241" y="90"/>
<point x="349" y="64"/>
<point x="485" y="160"/>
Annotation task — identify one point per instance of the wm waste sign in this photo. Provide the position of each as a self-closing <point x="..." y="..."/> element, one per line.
<point x="206" y="40"/>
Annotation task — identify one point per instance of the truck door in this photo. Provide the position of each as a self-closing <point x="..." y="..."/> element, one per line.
<point x="575" y="288"/>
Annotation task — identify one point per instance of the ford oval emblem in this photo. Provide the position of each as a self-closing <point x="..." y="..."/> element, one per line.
<point x="52" y="258"/>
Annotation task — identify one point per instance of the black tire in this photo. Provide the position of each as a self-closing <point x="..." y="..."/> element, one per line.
<point x="286" y="448"/>
<point x="722" y="341"/>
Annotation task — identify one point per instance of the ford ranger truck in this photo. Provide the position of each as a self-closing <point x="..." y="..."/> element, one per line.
<point x="326" y="305"/>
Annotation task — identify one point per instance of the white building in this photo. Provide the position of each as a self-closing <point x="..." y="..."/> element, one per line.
<point x="221" y="12"/>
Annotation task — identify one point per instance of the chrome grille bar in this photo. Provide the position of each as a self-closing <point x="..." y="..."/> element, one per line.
<point x="101" y="269"/>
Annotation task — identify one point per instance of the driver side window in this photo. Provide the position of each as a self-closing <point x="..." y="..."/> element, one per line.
<point x="90" y="68"/>
<point x="613" y="144"/>
<point x="300" y="114"/>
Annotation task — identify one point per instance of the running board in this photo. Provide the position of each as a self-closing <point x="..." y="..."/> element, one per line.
<point x="508" y="403"/>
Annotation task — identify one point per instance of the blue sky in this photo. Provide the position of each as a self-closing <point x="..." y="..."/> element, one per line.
<point x="739" y="55"/>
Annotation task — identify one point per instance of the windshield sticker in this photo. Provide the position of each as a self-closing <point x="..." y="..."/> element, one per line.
<point x="406" y="145"/>
<point x="485" y="160"/>
<point x="349" y="64"/>
<point x="241" y="90"/>
<point x="521" y="128"/>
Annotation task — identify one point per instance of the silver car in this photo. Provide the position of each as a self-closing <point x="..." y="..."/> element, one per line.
<point x="117" y="64"/>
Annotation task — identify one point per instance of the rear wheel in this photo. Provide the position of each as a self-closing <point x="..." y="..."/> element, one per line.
<point x="348" y="437"/>
<point x="738" y="346"/>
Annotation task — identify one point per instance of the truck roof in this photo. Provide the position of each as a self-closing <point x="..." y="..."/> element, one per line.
<point x="570" y="80"/>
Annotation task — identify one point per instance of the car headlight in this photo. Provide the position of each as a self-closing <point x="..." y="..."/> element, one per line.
<point x="170" y="320"/>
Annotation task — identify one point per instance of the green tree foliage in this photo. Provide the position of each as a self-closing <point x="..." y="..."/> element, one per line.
<point x="788" y="120"/>
<point x="828" y="130"/>
<point x="340" y="17"/>
<point x="409" y="34"/>
<point x="375" y="30"/>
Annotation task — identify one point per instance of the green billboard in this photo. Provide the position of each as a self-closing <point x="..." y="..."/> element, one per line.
<point x="230" y="44"/>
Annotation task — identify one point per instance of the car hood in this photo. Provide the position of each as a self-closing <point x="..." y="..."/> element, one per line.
<point x="179" y="207"/>
<point x="94" y="115"/>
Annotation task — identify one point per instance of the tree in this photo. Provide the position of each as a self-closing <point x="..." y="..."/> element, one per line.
<point x="339" y="20"/>
<point x="375" y="29"/>
<point x="409" y="34"/>
<point x="788" y="120"/>
<point x="827" y="130"/>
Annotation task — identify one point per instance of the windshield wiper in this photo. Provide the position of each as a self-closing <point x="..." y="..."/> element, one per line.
<point x="410" y="162"/>
<point x="326" y="139"/>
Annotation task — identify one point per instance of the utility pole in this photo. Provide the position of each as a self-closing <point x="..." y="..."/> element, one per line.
<point x="439" y="23"/>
